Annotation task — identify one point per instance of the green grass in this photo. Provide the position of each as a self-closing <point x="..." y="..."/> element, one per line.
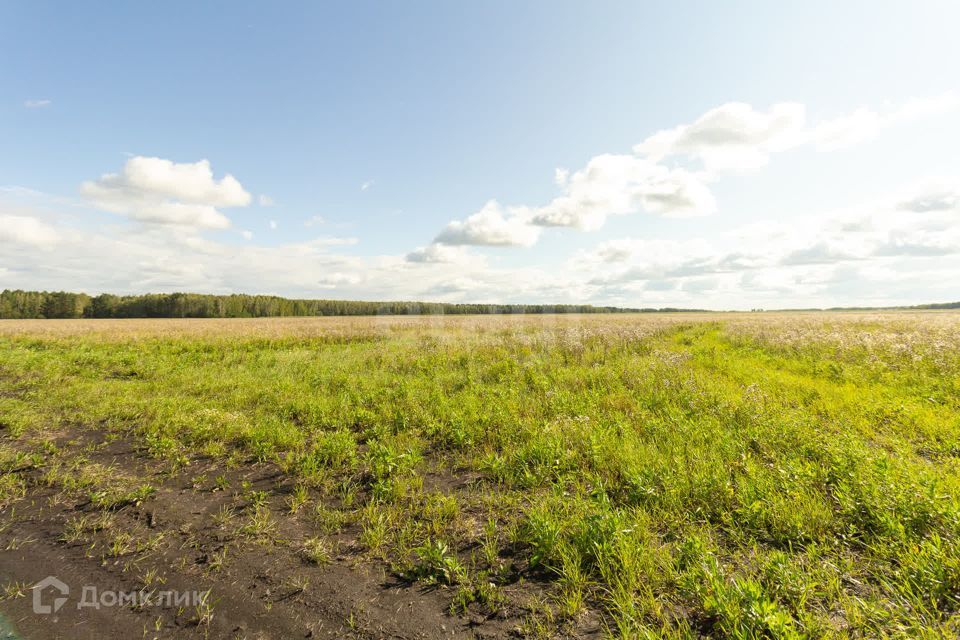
<point x="725" y="476"/>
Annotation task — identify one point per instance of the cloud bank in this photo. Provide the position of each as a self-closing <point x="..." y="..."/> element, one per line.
<point x="894" y="247"/>
<point x="733" y="137"/>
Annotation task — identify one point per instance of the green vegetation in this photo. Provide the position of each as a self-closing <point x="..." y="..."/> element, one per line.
<point x="746" y="476"/>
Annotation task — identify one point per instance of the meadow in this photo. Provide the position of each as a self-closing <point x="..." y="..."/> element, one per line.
<point x="633" y="476"/>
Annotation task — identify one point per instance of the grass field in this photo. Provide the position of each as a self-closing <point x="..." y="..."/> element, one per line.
<point x="724" y="475"/>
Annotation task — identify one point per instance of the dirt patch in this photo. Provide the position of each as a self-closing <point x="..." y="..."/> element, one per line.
<point x="183" y="539"/>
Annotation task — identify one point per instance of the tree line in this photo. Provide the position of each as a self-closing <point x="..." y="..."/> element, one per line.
<point x="63" y="304"/>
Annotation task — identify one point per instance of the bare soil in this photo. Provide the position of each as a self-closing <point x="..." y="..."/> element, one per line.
<point x="260" y="590"/>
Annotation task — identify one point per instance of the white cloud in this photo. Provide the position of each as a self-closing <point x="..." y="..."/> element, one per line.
<point x="731" y="136"/>
<point x="621" y="184"/>
<point x="619" y="250"/>
<point x="366" y="185"/>
<point x="628" y="259"/>
<point x="26" y="230"/>
<point x="136" y="259"/>
<point x="174" y="213"/>
<point x="609" y="185"/>
<point x="746" y="267"/>
<point x="700" y="285"/>
<point x="829" y="250"/>
<point x="158" y="258"/>
<point x="493" y="225"/>
<point x="160" y="191"/>
<point x="264" y="200"/>
<point x="737" y="136"/>
<point x="847" y="130"/>
<point x="336" y="279"/>
<point x="826" y="255"/>
<point x="650" y="252"/>
<point x="439" y="254"/>
<point x="934" y="196"/>
<point x="919" y="242"/>
<point x="904" y="237"/>
<point x="864" y="124"/>
<point x="187" y="182"/>
<point x="36" y="104"/>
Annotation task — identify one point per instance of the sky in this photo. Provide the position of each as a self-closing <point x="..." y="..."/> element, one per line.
<point x="722" y="155"/>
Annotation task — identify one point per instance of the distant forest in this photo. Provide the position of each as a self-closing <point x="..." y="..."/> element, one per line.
<point x="17" y="304"/>
<point x="61" y="304"/>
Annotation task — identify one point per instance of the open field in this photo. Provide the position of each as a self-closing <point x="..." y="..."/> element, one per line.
<point x="676" y="475"/>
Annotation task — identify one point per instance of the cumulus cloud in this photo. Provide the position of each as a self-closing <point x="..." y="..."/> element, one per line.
<point x="493" y="225"/>
<point x="609" y="185"/>
<point x="28" y="231"/>
<point x="620" y="184"/>
<point x="187" y="182"/>
<point x="747" y="267"/>
<point x="438" y="254"/>
<point x="823" y="257"/>
<point x="264" y="200"/>
<point x="732" y="136"/>
<point x="801" y="259"/>
<point x="144" y="258"/>
<point x="737" y="136"/>
<point x="159" y="191"/>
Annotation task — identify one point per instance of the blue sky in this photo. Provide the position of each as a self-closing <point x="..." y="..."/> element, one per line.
<point x="730" y="155"/>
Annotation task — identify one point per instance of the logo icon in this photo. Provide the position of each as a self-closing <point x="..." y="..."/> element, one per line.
<point x="50" y="582"/>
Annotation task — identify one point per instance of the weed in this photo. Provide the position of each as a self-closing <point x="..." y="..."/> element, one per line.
<point x="218" y="559"/>
<point x="14" y="589"/>
<point x="437" y="564"/>
<point x="329" y="520"/>
<point x="316" y="551"/>
<point x="260" y="524"/>
<point x="225" y="515"/>
<point x="298" y="498"/>
<point x="220" y="483"/>
<point x="117" y="498"/>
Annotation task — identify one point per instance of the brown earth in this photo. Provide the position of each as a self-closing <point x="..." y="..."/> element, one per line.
<point x="257" y="589"/>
